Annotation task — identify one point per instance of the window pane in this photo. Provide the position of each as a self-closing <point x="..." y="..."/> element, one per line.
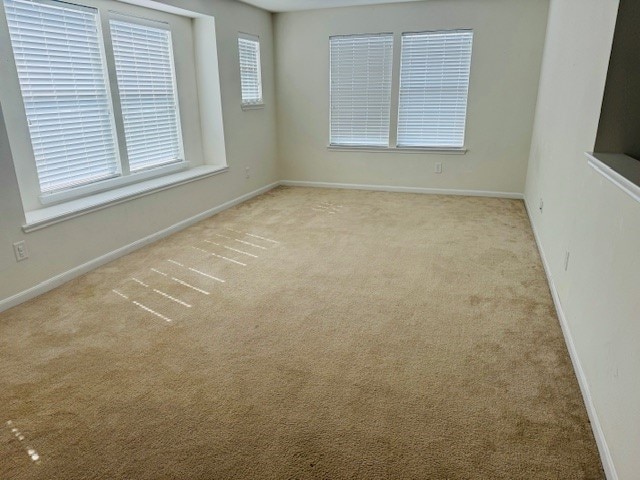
<point x="434" y="83"/>
<point x="146" y="82"/>
<point x="361" y="89"/>
<point x="60" y="68"/>
<point x="250" y="75"/>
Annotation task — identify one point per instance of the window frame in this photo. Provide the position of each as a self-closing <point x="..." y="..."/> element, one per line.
<point x="26" y="168"/>
<point x="395" y="103"/>
<point x="258" y="104"/>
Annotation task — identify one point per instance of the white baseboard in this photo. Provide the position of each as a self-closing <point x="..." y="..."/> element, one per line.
<point x="603" y="448"/>
<point x="388" y="188"/>
<point x="64" y="277"/>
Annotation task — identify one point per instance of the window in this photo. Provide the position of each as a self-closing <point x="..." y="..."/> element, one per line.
<point x="60" y="57"/>
<point x="361" y="67"/>
<point x="61" y="72"/>
<point x="147" y="86"/>
<point x="250" y="71"/>
<point x="433" y="89"/>
<point x="434" y="82"/>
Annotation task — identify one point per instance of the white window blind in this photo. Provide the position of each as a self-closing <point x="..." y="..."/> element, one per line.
<point x="250" y="74"/>
<point x="361" y="68"/>
<point x="59" y="60"/>
<point x="434" y="83"/>
<point x="147" y="86"/>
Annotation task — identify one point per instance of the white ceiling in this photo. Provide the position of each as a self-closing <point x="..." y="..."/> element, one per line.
<point x="291" y="5"/>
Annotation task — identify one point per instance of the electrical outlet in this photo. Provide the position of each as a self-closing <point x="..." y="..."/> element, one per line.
<point x="566" y="261"/>
<point x="438" y="167"/>
<point x="247" y="172"/>
<point x="541" y="206"/>
<point x="20" y="251"/>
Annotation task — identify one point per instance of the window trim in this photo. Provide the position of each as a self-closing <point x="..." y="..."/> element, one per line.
<point x="60" y="212"/>
<point x="111" y="183"/>
<point x="259" y="104"/>
<point x="396" y="149"/>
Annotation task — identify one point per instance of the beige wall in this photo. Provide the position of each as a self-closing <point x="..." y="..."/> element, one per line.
<point x="508" y="43"/>
<point x="591" y="218"/>
<point x="63" y="246"/>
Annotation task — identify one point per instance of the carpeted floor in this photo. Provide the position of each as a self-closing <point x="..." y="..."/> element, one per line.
<point x="354" y="335"/>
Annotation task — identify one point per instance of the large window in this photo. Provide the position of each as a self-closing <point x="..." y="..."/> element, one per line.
<point x="431" y="100"/>
<point x="361" y="89"/>
<point x="60" y="66"/>
<point x="60" y="56"/>
<point x="434" y="81"/>
<point x="250" y="74"/>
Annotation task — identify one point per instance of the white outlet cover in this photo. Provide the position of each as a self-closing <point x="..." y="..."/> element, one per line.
<point x="20" y="251"/>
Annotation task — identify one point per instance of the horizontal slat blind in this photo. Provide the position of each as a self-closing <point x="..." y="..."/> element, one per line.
<point x="434" y="83"/>
<point x="361" y="89"/>
<point x="60" y="69"/>
<point x="146" y="82"/>
<point x="250" y="76"/>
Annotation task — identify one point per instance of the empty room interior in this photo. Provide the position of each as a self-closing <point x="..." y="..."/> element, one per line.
<point x="319" y="239"/>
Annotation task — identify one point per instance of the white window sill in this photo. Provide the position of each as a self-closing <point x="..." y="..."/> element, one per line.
<point x="111" y="183"/>
<point x="422" y="150"/>
<point x="620" y="169"/>
<point x="252" y="106"/>
<point x="44" y="217"/>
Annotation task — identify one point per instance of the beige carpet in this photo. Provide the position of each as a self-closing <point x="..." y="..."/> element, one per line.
<point x="355" y="335"/>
